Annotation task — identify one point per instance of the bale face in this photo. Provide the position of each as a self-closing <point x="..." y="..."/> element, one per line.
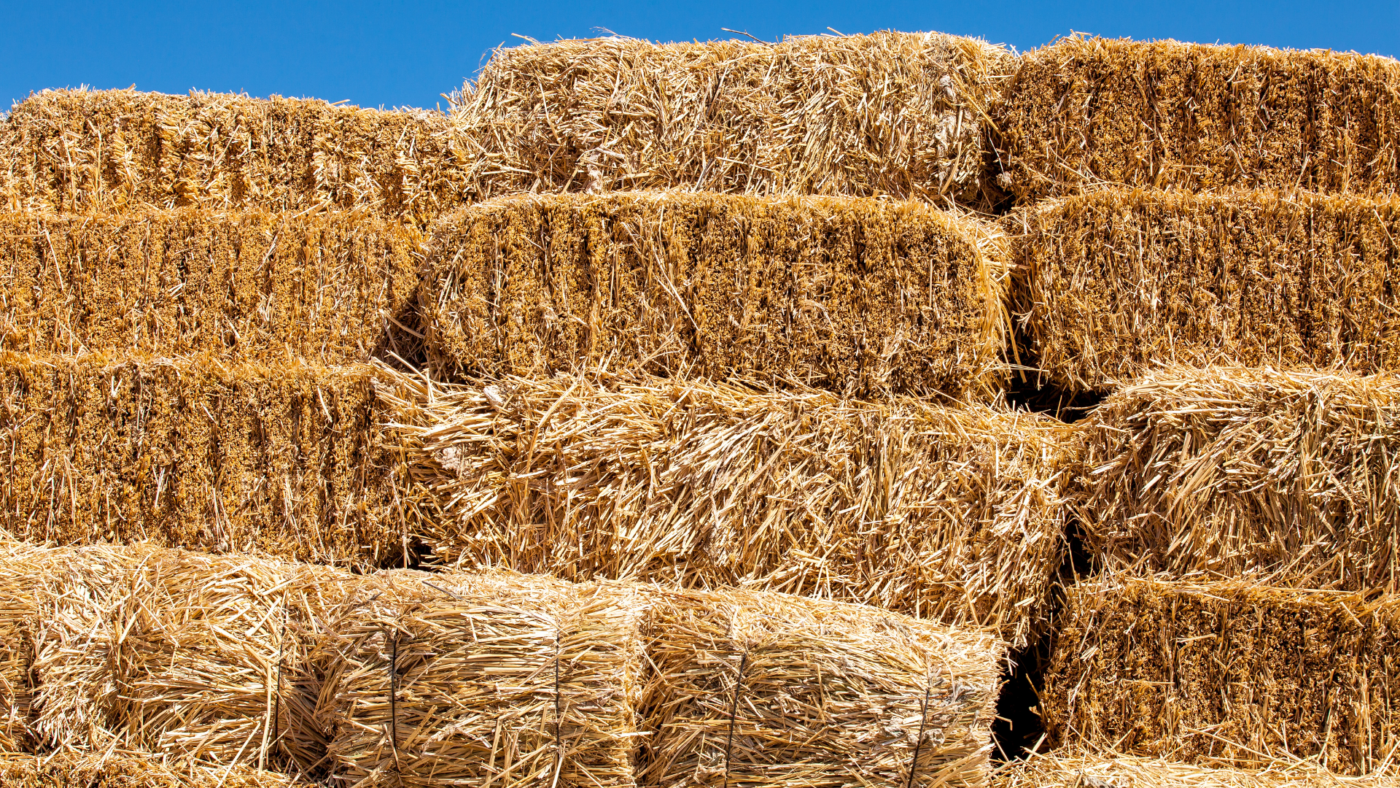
<point x="852" y="295"/>
<point x="1072" y="769"/>
<point x="81" y="150"/>
<point x="67" y="770"/>
<point x="946" y="513"/>
<point x="285" y="461"/>
<point x="1230" y="471"/>
<point x="1086" y="112"/>
<point x="248" y="285"/>
<point x="1231" y="673"/>
<point x="898" y="114"/>
<point x="766" y="690"/>
<point x="1113" y="284"/>
<point x="444" y="680"/>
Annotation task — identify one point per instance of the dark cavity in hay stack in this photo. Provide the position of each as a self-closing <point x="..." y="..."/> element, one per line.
<point x="1229" y="471"/>
<point x="897" y="114"/>
<point x="250" y="286"/>
<point x="1113" y="284"/>
<point x="1226" y="673"/>
<point x="1086" y="112"/>
<point x="83" y="150"/>
<point x="852" y="295"/>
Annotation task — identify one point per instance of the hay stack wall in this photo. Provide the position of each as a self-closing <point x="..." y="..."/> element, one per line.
<point x="853" y="295"/>
<point x="889" y="114"/>
<point x="1073" y="769"/>
<point x="82" y="150"/>
<point x="249" y="285"/>
<point x="1113" y="284"/>
<point x="1230" y="472"/>
<point x="286" y="461"/>
<point x="954" y="514"/>
<point x="1083" y="113"/>
<point x="1231" y="673"/>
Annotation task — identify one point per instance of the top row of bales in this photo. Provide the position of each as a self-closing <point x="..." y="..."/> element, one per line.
<point x="919" y="116"/>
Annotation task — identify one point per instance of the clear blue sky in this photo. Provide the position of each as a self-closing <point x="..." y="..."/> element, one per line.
<point x="409" y="53"/>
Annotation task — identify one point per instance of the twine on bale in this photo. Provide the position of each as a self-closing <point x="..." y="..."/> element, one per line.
<point x="394" y="702"/>
<point x="923" y="722"/>
<point x="734" y="714"/>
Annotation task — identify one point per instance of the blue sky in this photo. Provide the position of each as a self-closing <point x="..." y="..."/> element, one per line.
<point x="409" y="53"/>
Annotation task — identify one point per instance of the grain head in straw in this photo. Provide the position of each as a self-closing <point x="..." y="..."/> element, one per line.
<point x="1084" y="112"/>
<point x="1112" y="284"/>
<point x="853" y="295"/>
<point x="1086" y="769"/>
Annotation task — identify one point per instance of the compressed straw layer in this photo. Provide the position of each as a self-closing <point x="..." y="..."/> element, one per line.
<point x="1065" y="769"/>
<point x="68" y="770"/>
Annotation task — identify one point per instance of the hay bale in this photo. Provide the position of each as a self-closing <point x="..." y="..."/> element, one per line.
<point x="499" y="679"/>
<point x="762" y="689"/>
<point x="67" y="770"/>
<point x="1116" y="283"/>
<point x="854" y="295"/>
<point x="248" y="285"/>
<point x="897" y="114"/>
<point x="20" y="565"/>
<point x="1073" y="769"/>
<point x="285" y="461"/>
<point x="1231" y="472"/>
<point x="947" y="513"/>
<point x="1230" y="673"/>
<point x="82" y="150"/>
<point x="1084" y="112"/>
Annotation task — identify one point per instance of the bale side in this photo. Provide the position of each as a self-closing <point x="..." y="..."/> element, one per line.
<point x="249" y="286"/>
<point x="1113" y="284"/>
<point x="83" y="150"/>
<point x="119" y="770"/>
<point x="857" y="296"/>
<point x="285" y="461"/>
<point x="446" y="679"/>
<point x="1081" y="113"/>
<point x="1073" y="769"/>
<point x="888" y="114"/>
<point x="1228" y="673"/>
<point x="767" y="690"/>
<point x="1231" y="472"/>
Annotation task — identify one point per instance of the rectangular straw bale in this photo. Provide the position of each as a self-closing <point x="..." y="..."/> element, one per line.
<point x="189" y="656"/>
<point x="286" y="461"/>
<point x="83" y="150"/>
<point x="947" y="513"/>
<point x="854" y="295"/>
<point x="70" y="770"/>
<point x="1075" y="769"/>
<point x="1230" y="673"/>
<point x="771" y="691"/>
<point x="896" y="114"/>
<point x="1230" y="471"/>
<point x="1115" y="283"/>
<point x="492" y="679"/>
<point x="245" y="285"/>
<point x="1087" y="111"/>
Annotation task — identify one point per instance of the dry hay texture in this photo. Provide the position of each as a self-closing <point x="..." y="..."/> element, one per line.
<point x="1073" y="769"/>
<point x="1229" y="471"/>
<point x="1085" y="112"/>
<point x="897" y="114"/>
<point x="954" y="514"/>
<point x="853" y="295"/>
<point x="287" y="461"/>
<point x="773" y="691"/>
<point x="1229" y="673"/>
<point x="1113" y="284"/>
<point x="245" y="285"/>
<point x="81" y="150"/>
<point x="67" y="770"/>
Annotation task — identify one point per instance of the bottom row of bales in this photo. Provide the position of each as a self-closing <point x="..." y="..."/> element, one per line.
<point x="405" y="678"/>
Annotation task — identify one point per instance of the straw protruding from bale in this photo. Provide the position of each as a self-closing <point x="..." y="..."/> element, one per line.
<point x="1229" y="673"/>
<point x="1228" y="472"/>
<point x="888" y="114"/>
<point x="1086" y="112"/>
<point x="769" y="690"/>
<point x="853" y="295"/>
<point x="1074" y="769"/>
<point x="245" y="285"/>
<point x="1116" y="283"/>
<point x="83" y="150"/>
<point x="121" y="770"/>
<point x="953" y="514"/>
<point x="286" y="461"/>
